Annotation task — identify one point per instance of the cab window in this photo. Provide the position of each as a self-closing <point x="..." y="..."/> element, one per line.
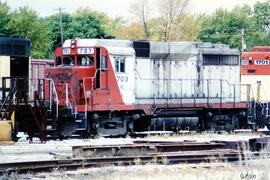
<point x="85" y="60"/>
<point x="120" y="64"/>
<point x="103" y="63"/>
<point x="58" y="61"/>
<point x="68" y="61"/>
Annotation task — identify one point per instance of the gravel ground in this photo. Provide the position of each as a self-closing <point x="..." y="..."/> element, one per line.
<point x="215" y="171"/>
<point x="23" y="151"/>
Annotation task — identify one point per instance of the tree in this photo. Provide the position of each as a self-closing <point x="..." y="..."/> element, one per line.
<point x="112" y="26"/>
<point x="25" y="23"/>
<point x="262" y="15"/>
<point x="4" y="18"/>
<point x="52" y="22"/>
<point x="141" y="10"/>
<point x="225" y="26"/>
<point x="132" y="31"/>
<point x="85" y="24"/>
<point x="170" y="13"/>
<point x="187" y="30"/>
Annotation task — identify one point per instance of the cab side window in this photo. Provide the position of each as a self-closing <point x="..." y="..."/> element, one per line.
<point x="120" y="64"/>
<point x="103" y="63"/>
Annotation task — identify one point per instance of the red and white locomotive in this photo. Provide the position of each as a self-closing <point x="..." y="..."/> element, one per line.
<point x="115" y="87"/>
<point x="255" y="70"/>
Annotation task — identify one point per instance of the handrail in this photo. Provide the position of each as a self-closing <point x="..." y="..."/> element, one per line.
<point x="68" y="103"/>
<point x="84" y="91"/>
<point x="169" y="79"/>
<point x="9" y="93"/>
<point x="52" y="86"/>
<point x="223" y="81"/>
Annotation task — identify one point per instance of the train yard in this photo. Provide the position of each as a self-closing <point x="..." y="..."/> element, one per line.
<point x="142" y="91"/>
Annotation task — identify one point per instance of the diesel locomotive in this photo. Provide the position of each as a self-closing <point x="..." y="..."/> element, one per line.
<point x="118" y="87"/>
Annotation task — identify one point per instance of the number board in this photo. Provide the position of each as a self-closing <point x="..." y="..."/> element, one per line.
<point x="244" y="62"/>
<point x="66" y="51"/>
<point x="85" y="51"/>
<point x="261" y="62"/>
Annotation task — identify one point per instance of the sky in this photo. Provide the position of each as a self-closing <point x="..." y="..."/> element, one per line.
<point x="119" y="7"/>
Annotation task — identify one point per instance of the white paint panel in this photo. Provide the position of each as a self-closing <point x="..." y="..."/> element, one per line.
<point x="126" y="80"/>
<point x="4" y="70"/>
<point x="143" y="78"/>
<point x="252" y="80"/>
<point x="4" y="66"/>
<point x="223" y="81"/>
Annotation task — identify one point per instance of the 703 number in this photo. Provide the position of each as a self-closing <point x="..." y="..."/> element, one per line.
<point x="122" y="78"/>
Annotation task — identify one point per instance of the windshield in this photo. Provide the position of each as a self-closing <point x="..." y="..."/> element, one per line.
<point x="68" y="61"/>
<point x="85" y="60"/>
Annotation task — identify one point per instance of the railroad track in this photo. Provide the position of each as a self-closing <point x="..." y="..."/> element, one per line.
<point x="140" y="147"/>
<point x="161" y="158"/>
<point x="143" y="152"/>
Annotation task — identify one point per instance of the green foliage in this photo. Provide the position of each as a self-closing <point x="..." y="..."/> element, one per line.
<point x="52" y="22"/>
<point x="25" y="23"/>
<point x="225" y="26"/>
<point x="4" y="18"/>
<point x="112" y="26"/>
<point x="85" y="24"/>
<point x="262" y="15"/>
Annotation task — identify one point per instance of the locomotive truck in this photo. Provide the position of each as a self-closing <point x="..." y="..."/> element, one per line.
<point x="119" y="87"/>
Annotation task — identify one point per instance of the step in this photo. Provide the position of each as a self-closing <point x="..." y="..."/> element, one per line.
<point x="78" y="121"/>
<point x="50" y="128"/>
<point x="80" y="129"/>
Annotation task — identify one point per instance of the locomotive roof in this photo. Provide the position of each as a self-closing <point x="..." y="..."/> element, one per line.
<point x="156" y="50"/>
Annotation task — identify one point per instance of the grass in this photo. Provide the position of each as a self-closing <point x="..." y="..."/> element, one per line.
<point x="160" y="172"/>
<point x="246" y="170"/>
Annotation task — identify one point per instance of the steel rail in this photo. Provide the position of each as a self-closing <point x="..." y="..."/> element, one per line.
<point x="159" y="158"/>
<point x="143" y="148"/>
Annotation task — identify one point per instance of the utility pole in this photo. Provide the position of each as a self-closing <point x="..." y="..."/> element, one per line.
<point x="243" y="39"/>
<point x="61" y="25"/>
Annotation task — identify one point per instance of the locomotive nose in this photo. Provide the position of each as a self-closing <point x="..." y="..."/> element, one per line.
<point x="60" y="80"/>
